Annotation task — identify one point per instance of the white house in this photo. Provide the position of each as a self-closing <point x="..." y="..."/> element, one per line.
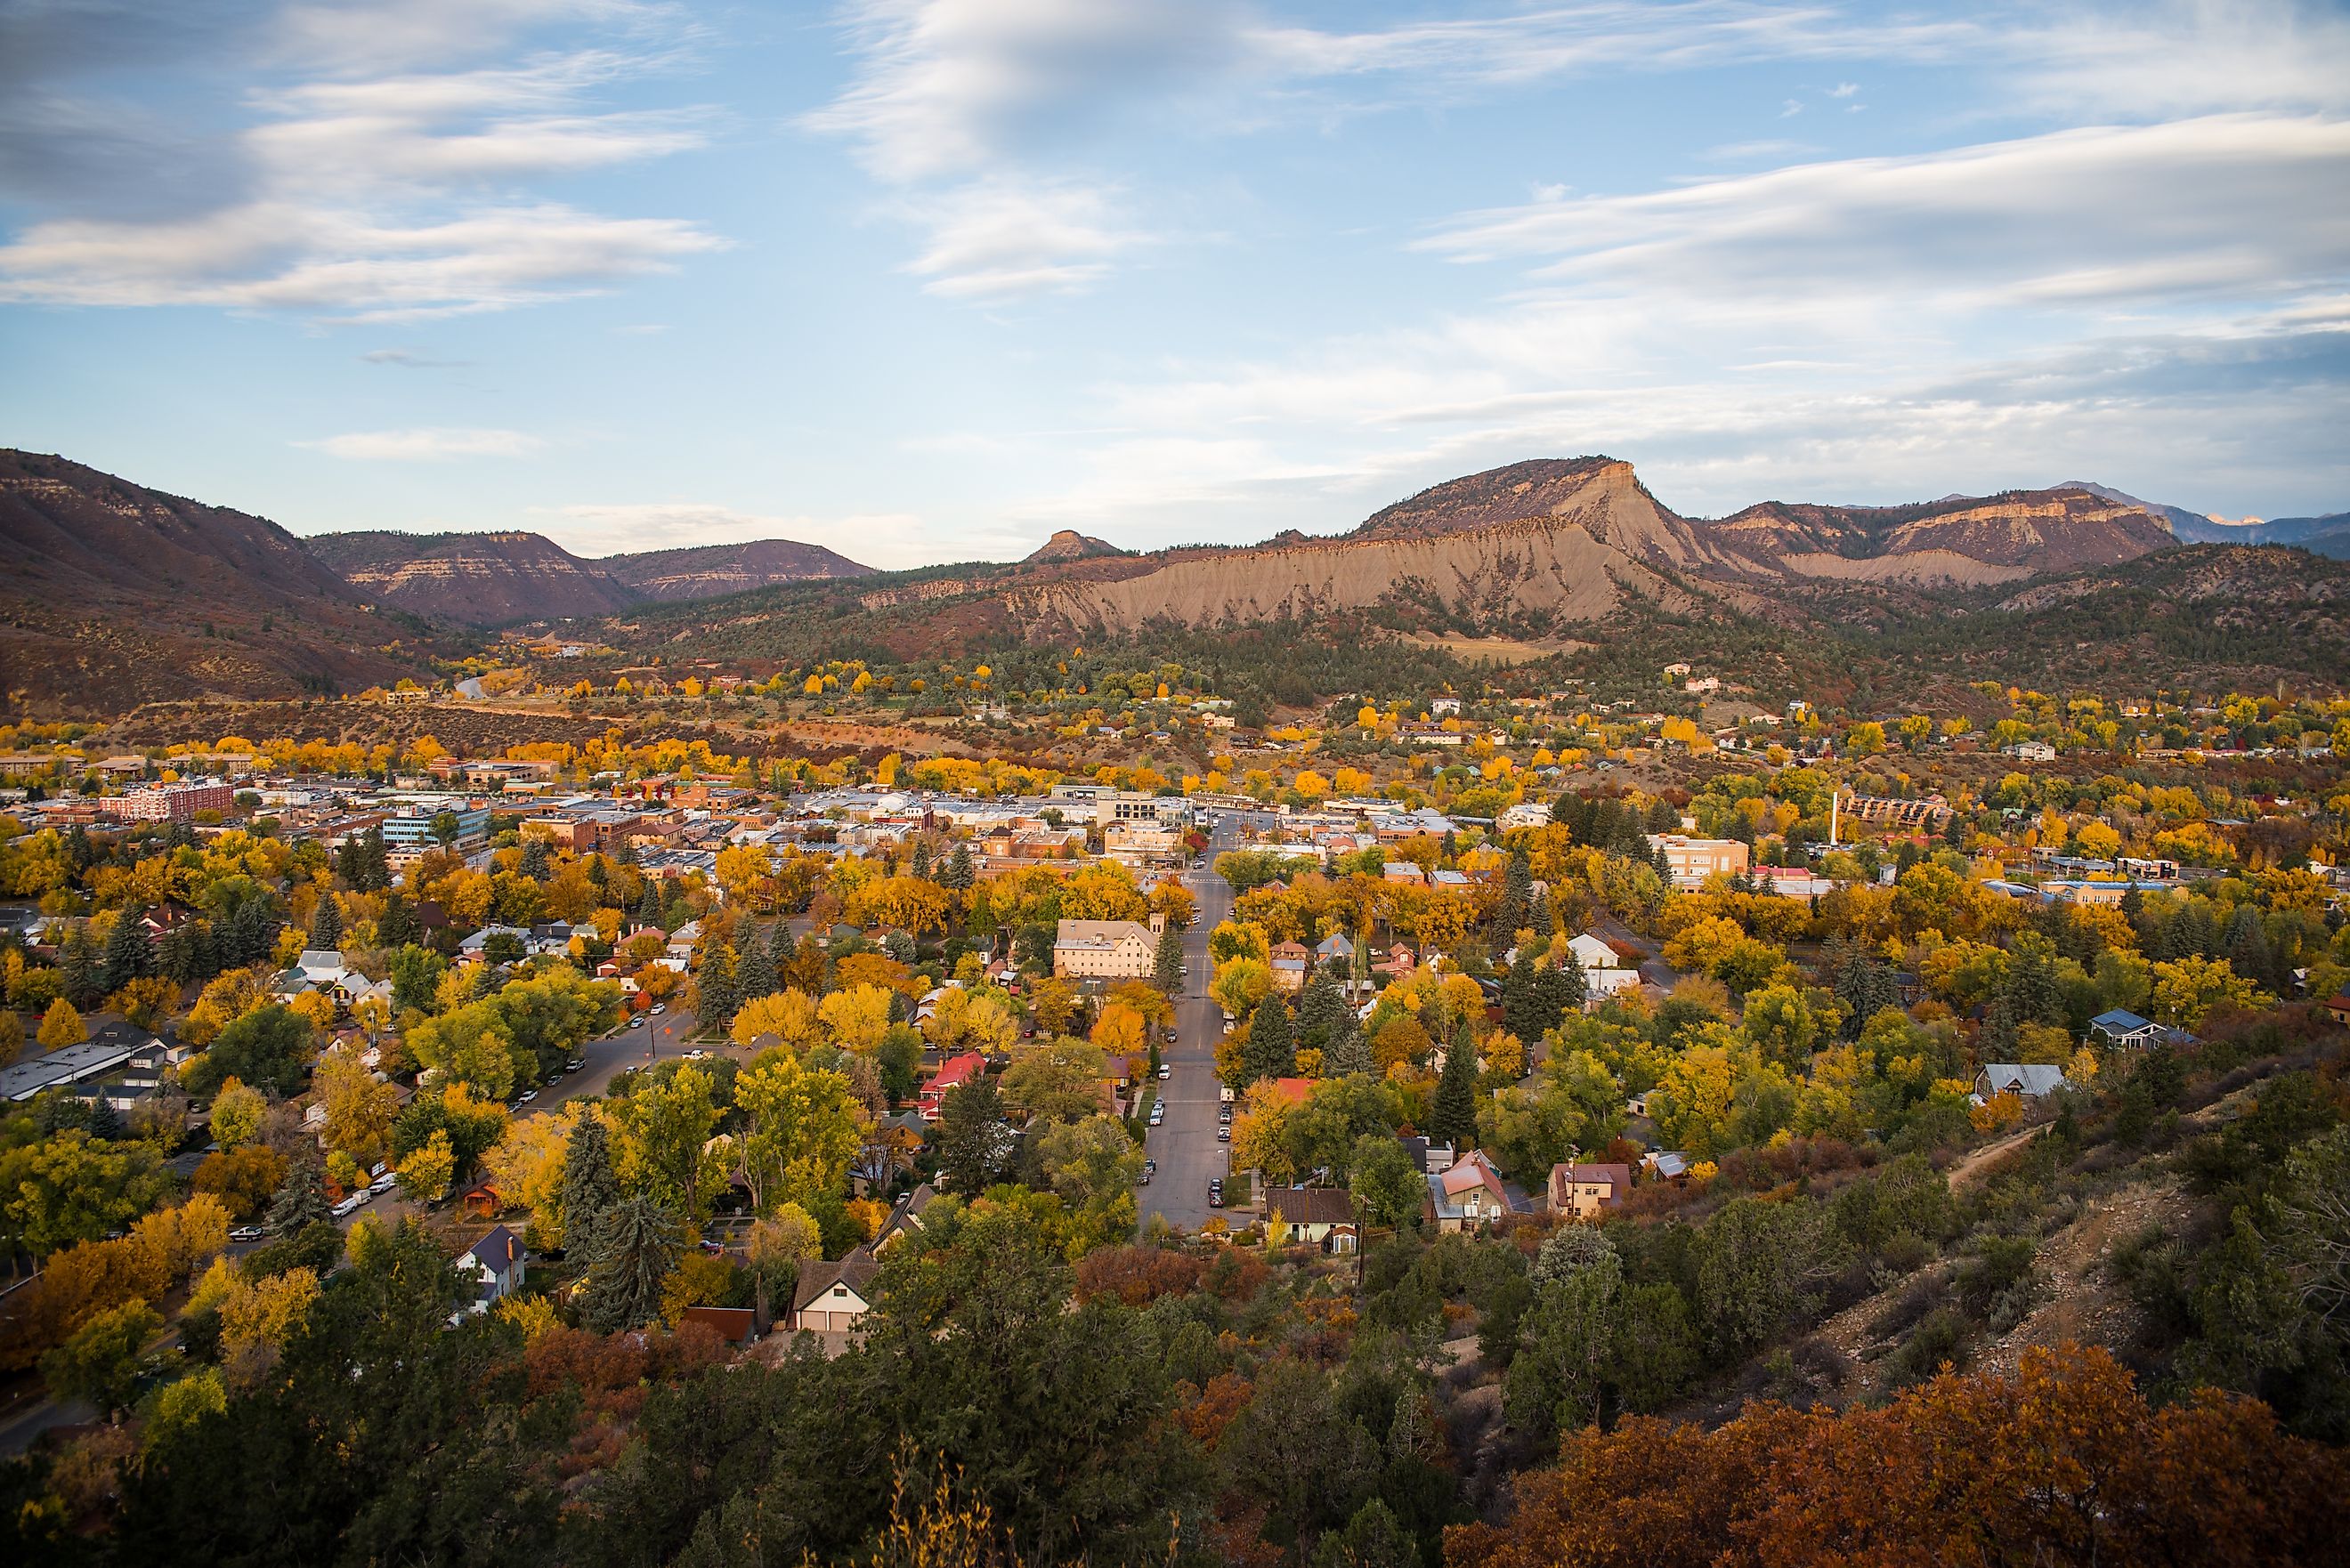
<point x="495" y="1265"/>
<point x="1604" y="972"/>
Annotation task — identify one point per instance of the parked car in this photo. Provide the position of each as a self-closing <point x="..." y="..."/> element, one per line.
<point x="345" y="1207"/>
<point x="246" y="1233"/>
<point x="1216" y="1195"/>
<point x="383" y="1183"/>
<point x="659" y="1008"/>
<point x="696" y="1054"/>
<point x="638" y="1021"/>
<point x="1224" y="1133"/>
<point x="553" y="1079"/>
<point x="1149" y="1170"/>
<point x="1158" y="1114"/>
<point x="1166" y="1070"/>
<point x="527" y="1096"/>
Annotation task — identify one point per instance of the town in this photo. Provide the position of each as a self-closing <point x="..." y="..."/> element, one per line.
<point x="650" y="1038"/>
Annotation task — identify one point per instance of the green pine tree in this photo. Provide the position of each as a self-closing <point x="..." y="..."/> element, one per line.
<point x="1167" y="963"/>
<point x="1453" y="1118"/>
<point x="639" y="1245"/>
<point x="1272" y="1048"/>
<point x="128" y="953"/>
<point x="301" y="1202"/>
<point x="327" y="925"/>
<point x="590" y="1188"/>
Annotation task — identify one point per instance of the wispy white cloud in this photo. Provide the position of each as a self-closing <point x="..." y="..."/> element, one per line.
<point x="2214" y="204"/>
<point x="997" y="238"/>
<point x="373" y="189"/>
<point x="436" y="444"/>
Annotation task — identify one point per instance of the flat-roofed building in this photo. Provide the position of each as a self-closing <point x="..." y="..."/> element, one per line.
<point x="1104" y="950"/>
<point x="1689" y="861"/>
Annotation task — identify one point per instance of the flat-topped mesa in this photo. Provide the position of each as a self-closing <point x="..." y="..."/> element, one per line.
<point x="1068" y="545"/>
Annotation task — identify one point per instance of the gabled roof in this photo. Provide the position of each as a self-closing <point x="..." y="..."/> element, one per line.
<point x="1310" y="1205"/>
<point x="2029" y="1079"/>
<point x="856" y="1271"/>
<point x="2120" y="1021"/>
<point x="499" y="1251"/>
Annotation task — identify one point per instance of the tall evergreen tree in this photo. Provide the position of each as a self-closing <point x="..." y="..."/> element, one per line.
<point x="1453" y="1119"/>
<point x="1272" y="1048"/>
<point x="1167" y="961"/>
<point x="639" y="1246"/>
<point x="1517" y="899"/>
<point x="590" y="1188"/>
<point x="919" y="864"/>
<point x="970" y="1136"/>
<point x="754" y="966"/>
<point x="327" y="924"/>
<point x="77" y="969"/>
<point x="715" y="1001"/>
<point x="647" y="911"/>
<point x="960" y="873"/>
<point x="129" y="954"/>
<point x="536" y="864"/>
<point x="399" y="925"/>
<point x="301" y="1202"/>
<point x="1347" y="1053"/>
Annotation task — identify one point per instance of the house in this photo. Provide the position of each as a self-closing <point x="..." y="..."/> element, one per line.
<point x="737" y="1325"/>
<point x="1467" y="1196"/>
<point x="1322" y="1217"/>
<point x="1291" y="962"/>
<point x="2122" y="1027"/>
<point x="1605" y="972"/>
<point x="495" y="1265"/>
<point x="1588" y="1190"/>
<point x="2339" y="1006"/>
<point x="1104" y="949"/>
<point x="1427" y="1157"/>
<point x="1669" y="1164"/>
<point x="2028" y="1080"/>
<point x="953" y="1072"/>
<point x="1335" y="948"/>
<point x="905" y="1217"/>
<point x="832" y="1297"/>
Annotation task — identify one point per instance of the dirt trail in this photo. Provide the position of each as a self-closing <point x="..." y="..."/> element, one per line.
<point x="1977" y="1165"/>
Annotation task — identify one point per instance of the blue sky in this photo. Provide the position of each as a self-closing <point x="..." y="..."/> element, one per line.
<point x="927" y="279"/>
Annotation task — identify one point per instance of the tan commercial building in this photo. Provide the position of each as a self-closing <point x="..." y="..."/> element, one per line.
<point x="1692" y="861"/>
<point x="1104" y="950"/>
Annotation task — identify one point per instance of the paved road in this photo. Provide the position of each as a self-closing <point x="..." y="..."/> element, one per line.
<point x="1654" y="971"/>
<point x="1185" y="1145"/>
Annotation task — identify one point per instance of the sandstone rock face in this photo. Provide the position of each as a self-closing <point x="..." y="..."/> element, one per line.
<point x="708" y="571"/>
<point x="474" y="579"/>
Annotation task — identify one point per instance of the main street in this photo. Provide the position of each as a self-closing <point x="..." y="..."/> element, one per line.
<point x="1185" y="1145"/>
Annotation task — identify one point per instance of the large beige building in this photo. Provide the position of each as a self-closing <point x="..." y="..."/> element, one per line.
<point x="1692" y="861"/>
<point x="1104" y="950"/>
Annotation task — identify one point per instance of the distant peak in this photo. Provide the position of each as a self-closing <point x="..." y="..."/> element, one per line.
<point x="1068" y="545"/>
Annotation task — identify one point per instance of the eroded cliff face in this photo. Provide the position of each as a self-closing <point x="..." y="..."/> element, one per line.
<point x="1961" y="541"/>
<point x="1558" y="570"/>
<point x="475" y="579"/>
<point x="710" y="571"/>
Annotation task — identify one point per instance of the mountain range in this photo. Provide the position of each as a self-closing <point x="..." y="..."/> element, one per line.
<point x="497" y="579"/>
<point x="112" y="594"/>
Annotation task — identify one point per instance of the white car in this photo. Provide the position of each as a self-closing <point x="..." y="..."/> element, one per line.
<point x="383" y="1183"/>
<point x="347" y="1206"/>
<point x="528" y="1096"/>
<point x="696" y="1054"/>
<point x="659" y="1008"/>
<point x="1166" y="1070"/>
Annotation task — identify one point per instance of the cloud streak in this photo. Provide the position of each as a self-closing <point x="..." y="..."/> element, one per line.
<point x="435" y="444"/>
<point x="380" y="191"/>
